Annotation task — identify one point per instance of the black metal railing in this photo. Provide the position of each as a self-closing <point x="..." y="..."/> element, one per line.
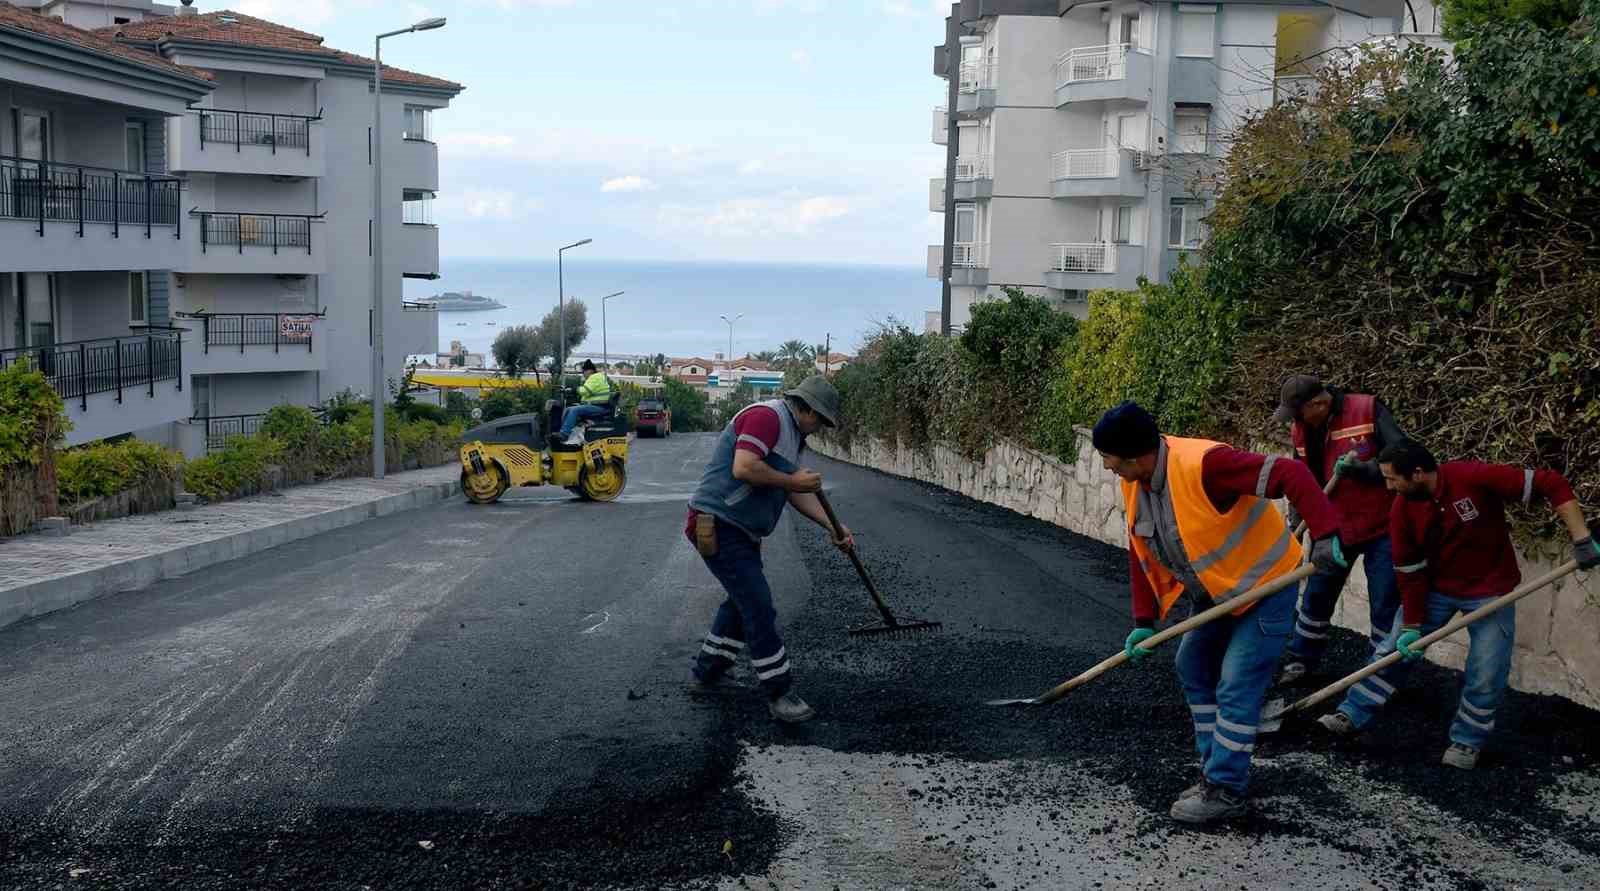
<point x="241" y="230"/>
<point x="242" y="128"/>
<point x="84" y="368"/>
<point x="256" y="329"/>
<point x="48" y="192"/>
<point x="222" y="428"/>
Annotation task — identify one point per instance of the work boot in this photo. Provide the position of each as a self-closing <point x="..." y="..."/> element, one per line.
<point x="1211" y="804"/>
<point x="575" y="437"/>
<point x="1292" y="672"/>
<point x="1192" y="791"/>
<point x="791" y="709"/>
<point x="1338" y="724"/>
<point x="1458" y="755"/>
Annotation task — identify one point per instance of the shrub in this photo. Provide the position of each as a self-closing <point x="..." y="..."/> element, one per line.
<point x="687" y="404"/>
<point x="32" y="421"/>
<point x="240" y="467"/>
<point x="422" y="411"/>
<point x="104" y="469"/>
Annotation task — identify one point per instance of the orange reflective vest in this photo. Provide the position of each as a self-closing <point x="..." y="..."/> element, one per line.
<point x="1227" y="553"/>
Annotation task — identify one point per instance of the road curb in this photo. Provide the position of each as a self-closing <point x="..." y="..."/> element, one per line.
<point x="63" y="592"/>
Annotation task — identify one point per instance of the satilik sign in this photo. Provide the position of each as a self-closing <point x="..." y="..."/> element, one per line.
<point x="295" y="327"/>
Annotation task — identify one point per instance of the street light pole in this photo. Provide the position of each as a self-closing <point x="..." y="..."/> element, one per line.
<point x="561" y="313"/>
<point x="605" y="348"/>
<point x="730" y="335"/>
<point x="378" y="458"/>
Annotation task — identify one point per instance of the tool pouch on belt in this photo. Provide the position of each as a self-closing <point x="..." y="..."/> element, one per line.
<point x="705" y="535"/>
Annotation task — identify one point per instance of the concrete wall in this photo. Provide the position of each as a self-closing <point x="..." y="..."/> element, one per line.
<point x="1558" y="629"/>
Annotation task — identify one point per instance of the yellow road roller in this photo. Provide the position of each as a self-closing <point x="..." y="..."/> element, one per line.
<point x="512" y="452"/>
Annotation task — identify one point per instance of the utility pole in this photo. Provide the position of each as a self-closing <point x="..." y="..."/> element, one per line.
<point x="952" y="65"/>
<point x="827" y="354"/>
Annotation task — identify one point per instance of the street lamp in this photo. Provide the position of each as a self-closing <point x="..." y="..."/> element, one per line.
<point x="377" y="238"/>
<point x="605" y="349"/>
<point x="561" y="312"/>
<point x="730" y="335"/>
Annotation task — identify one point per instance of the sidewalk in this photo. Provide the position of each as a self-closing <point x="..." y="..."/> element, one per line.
<point x="41" y="574"/>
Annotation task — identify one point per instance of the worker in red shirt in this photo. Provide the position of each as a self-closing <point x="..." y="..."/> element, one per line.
<point x="1453" y="553"/>
<point x="1201" y="523"/>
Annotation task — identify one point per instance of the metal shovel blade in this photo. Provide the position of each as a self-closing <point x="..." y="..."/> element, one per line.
<point x="1272" y="715"/>
<point x="1007" y="703"/>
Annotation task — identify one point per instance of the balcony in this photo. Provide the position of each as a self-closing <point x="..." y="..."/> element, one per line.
<point x="1091" y="266"/>
<point x="936" y="194"/>
<point x="976" y="90"/>
<point x="941" y="125"/>
<point x="414" y="164"/>
<point x="246" y="343"/>
<point x="1112" y="71"/>
<point x="1096" y="173"/>
<point x="974" y="177"/>
<point x="257" y="243"/>
<point x="418" y="244"/>
<point x="969" y="265"/>
<point x="216" y="140"/>
<point x="113" y="385"/>
<point x="412" y="331"/>
<point x="70" y="217"/>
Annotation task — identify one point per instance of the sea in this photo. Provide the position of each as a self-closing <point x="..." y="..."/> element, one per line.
<point x="676" y="307"/>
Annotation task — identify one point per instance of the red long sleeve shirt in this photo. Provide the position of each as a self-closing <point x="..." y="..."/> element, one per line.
<point x="1229" y="474"/>
<point x="1458" y="542"/>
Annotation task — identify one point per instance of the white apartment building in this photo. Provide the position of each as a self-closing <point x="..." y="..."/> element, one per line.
<point x="261" y="175"/>
<point x="1082" y="151"/>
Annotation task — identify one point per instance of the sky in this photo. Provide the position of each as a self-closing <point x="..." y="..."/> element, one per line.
<point x="748" y="130"/>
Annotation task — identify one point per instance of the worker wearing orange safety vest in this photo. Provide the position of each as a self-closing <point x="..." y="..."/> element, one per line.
<point x="1201" y="523"/>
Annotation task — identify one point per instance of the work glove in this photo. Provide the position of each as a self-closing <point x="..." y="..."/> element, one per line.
<point x="1352" y="467"/>
<point x="1403" y="643"/>
<point x="1587" y="552"/>
<point x="1328" y="556"/>
<point x="1137" y="636"/>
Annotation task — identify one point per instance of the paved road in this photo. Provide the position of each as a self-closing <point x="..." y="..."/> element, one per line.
<point x="496" y="697"/>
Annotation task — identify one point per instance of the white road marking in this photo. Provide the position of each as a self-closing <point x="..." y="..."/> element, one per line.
<point x="596" y="626"/>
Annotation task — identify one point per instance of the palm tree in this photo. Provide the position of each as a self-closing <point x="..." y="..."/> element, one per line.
<point x="766" y="356"/>
<point x="796" y="354"/>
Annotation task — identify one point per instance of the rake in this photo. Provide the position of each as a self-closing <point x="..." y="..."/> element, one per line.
<point x="890" y="627"/>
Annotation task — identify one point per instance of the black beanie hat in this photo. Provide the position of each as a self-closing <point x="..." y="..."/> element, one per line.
<point x="1127" y="431"/>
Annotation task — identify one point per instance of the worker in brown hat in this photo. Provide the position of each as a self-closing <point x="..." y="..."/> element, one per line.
<point x="1339" y="434"/>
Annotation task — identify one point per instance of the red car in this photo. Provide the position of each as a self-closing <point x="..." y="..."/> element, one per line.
<point x="653" y="416"/>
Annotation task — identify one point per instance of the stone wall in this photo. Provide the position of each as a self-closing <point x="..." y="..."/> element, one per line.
<point x="1558" y="629"/>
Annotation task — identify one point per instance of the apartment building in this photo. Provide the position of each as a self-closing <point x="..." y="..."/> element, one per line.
<point x="1082" y="138"/>
<point x="267" y="168"/>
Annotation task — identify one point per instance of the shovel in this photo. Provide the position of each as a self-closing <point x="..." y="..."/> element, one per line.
<point x="890" y="626"/>
<point x="1273" y="719"/>
<point x="1182" y="628"/>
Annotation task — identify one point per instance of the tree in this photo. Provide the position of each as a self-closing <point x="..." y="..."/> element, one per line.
<point x="518" y="349"/>
<point x="687" y="404"/>
<point x="767" y="356"/>
<point x="1461" y="16"/>
<point x="742" y="396"/>
<point x="795" y="353"/>
<point x="577" y="327"/>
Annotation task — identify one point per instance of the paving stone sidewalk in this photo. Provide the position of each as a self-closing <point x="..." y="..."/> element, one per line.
<point x="40" y="573"/>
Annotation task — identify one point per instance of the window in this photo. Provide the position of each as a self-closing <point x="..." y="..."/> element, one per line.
<point x="1184" y="228"/>
<point x="33" y="135"/>
<point x="966" y="223"/>
<point x="133" y="156"/>
<point x="138" y="299"/>
<point x="1196" y="33"/>
<point x="1129" y="31"/>
<point x="200" y="387"/>
<point x="119" y="20"/>
<point x="418" y="123"/>
<point x="1131" y="131"/>
<point x="1192" y="130"/>
<point x="417" y="209"/>
<point x="1122" y="225"/>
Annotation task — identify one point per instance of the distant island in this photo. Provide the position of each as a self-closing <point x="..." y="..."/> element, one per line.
<point x="451" y="301"/>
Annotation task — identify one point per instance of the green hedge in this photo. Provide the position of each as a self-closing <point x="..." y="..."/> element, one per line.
<point x="103" y="469"/>
<point x="240" y="467"/>
<point x="33" y="420"/>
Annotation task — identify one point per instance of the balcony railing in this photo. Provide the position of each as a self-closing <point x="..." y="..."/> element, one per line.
<point x="47" y="192"/>
<point x="1098" y="256"/>
<point x="970" y="255"/>
<point x="222" y="428"/>
<point x="276" y="330"/>
<point x="241" y="128"/>
<point x="1085" y="163"/>
<point x="1294" y="86"/>
<point x="941" y="125"/>
<point x="974" y="167"/>
<point x="242" y="230"/>
<point x="1092" y="63"/>
<point x="83" y="368"/>
<point x="977" y="76"/>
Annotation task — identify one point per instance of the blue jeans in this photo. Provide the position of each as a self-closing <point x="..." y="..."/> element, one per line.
<point x="1225" y="668"/>
<point x="578" y="412"/>
<point x="1322" y="593"/>
<point x="746" y="618"/>
<point x="1483" y="684"/>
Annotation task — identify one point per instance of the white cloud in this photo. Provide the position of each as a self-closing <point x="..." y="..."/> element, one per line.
<point x="752" y="217"/>
<point x="917" y="8"/>
<point x="628" y="184"/>
<point x="801" y="58"/>
<point x="486" y="204"/>
<point x="295" y="13"/>
<point x="752" y="167"/>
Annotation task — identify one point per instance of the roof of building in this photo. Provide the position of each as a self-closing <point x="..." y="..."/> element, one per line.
<point x="237" y="29"/>
<point x="692" y="360"/>
<point x="14" y="18"/>
<point x="836" y="358"/>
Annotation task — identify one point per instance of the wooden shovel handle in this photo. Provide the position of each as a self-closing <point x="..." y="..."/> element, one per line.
<point x="1454" y="625"/>
<point x="861" y="569"/>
